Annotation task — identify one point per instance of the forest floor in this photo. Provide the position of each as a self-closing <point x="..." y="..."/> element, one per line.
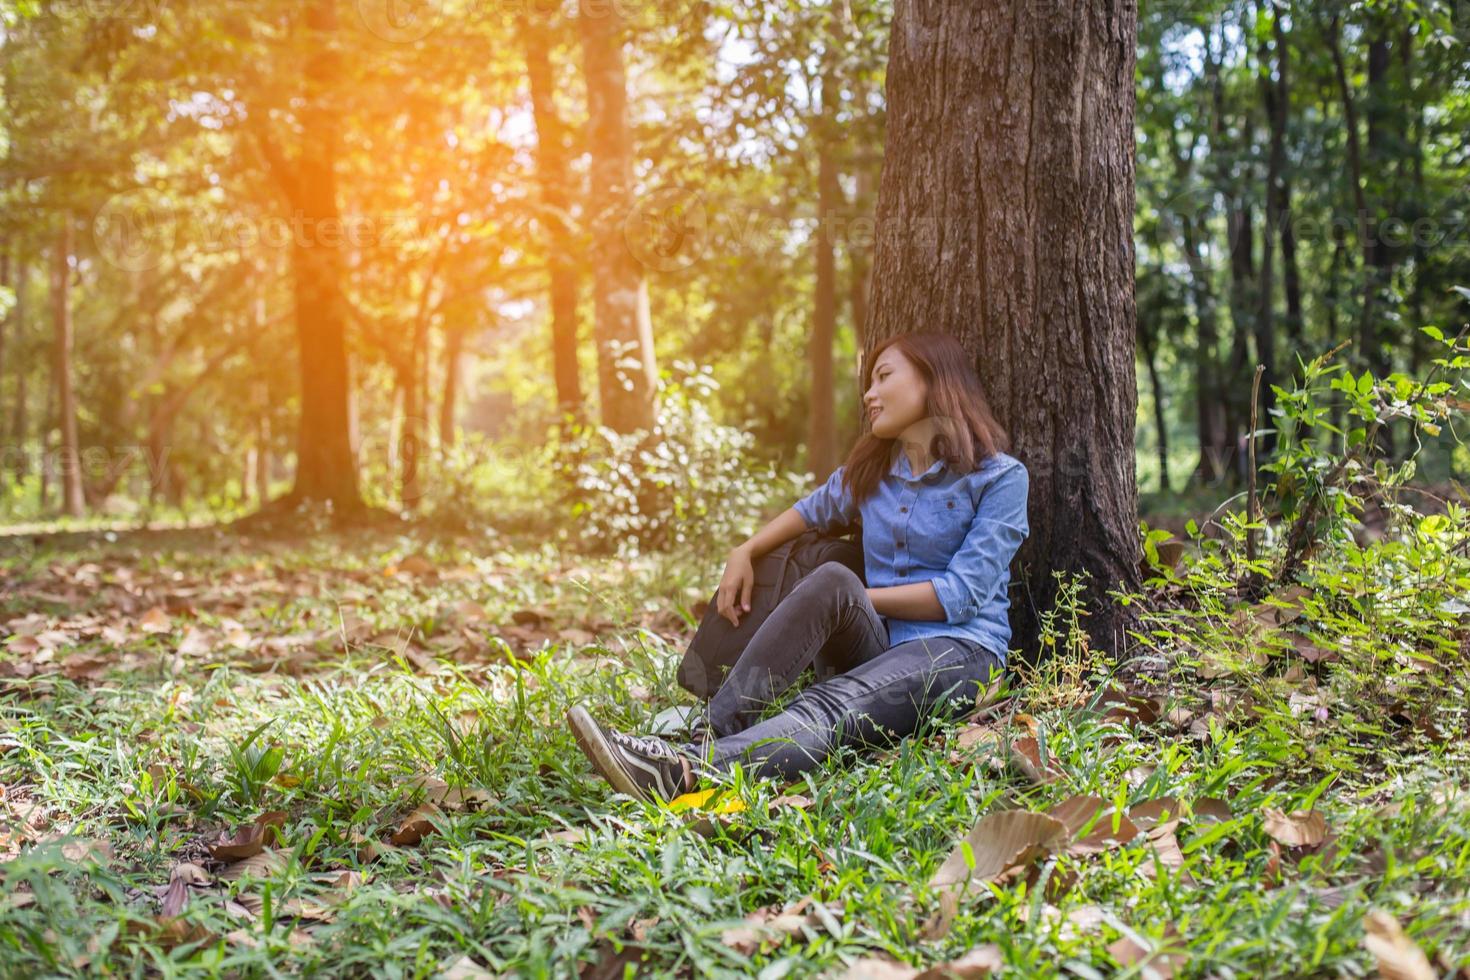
<point x="346" y="755"/>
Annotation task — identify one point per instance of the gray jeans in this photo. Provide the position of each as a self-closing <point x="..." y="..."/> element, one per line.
<point x="865" y="691"/>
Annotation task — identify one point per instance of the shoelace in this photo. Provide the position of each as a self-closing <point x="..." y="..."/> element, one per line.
<point x="647" y="745"/>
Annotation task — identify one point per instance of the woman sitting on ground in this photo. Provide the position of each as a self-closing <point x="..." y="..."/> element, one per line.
<point x="943" y="511"/>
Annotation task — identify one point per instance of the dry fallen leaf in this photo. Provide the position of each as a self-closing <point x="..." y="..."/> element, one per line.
<point x="981" y="961"/>
<point x="465" y="968"/>
<point x="1078" y="812"/>
<point x="87" y="849"/>
<point x="1302" y="828"/>
<point x="999" y="842"/>
<point x="1154" y="961"/>
<point x="250" y="841"/>
<point x="1397" y="955"/>
<point x="265" y="865"/>
<point x="181" y="879"/>
<point x="155" y="620"/>
<point x="417" y="825"/>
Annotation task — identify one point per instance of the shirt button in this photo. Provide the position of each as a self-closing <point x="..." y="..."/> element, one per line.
<point x="951" y="505"/>
<point x="903" y="571"/>
<point x="900" y="543"/>
<point x="903" y="510"/>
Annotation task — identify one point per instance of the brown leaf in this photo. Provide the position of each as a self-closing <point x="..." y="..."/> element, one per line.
<point x="1026" y="757"/>
<point x="879" y="968"/>
<point x="469" y="612"/>
<point x="1302" y="828"/>
<point x="417" y="825"/>
<point x="266" y="864"/>
<point x="194" y="644"/>
<point x="978" y="962"/>
<point x="998" y="842"/>
<point x="181" y="879"/>
<point x="155" y="620"/>
<point x="1166" y="852"/>
<point x="1152" y="813"/>
<point x="1397" y="955"/>
<point x="531" y="616"/>
<point x="413" y="565"/>
<point x="1153" y="962"/>
<point x="1213" y="809"/>
<point x="87" y="849"/>
<point x="465" y="968"/>
<point x="451" y="798"/>
<point x="250" y="841"/>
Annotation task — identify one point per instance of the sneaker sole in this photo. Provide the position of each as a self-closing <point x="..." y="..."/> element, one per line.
<point x="595" y="746"/>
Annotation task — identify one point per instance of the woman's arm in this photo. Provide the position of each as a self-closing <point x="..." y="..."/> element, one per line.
<point x="917" y="600"/>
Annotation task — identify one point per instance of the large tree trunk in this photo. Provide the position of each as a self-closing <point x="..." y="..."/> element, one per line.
<point x="326" y="466"/>
<point x="821" y="414"/>
<point x="1005" y="217"/>
<point x="71" y="464"/>
<point x="624" y="331"/>
<point x="554" y="175"/>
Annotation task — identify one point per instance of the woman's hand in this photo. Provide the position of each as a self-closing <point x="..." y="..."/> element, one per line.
<point x="732" y="598"/>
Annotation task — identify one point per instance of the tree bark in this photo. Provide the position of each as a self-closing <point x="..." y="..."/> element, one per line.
<point x="821" y="415"/>
<point x="627" y="376"/>
<point x="1005" y="218"/>
<point x="326" y="465"/>
<point x="449" y="403"/>
<point x="1290" y="270"/>
<point x="1149" y="342"/>
<point x="554" y="175"/>
<point x="72" y="501"/>
<point x="262" y="474"/>
<point x="18" y="421"/>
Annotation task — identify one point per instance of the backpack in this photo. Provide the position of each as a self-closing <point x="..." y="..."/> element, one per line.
<point x="717" y="645"/>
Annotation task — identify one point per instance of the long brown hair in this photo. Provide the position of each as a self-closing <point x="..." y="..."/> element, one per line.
<point x="969" y="433"/>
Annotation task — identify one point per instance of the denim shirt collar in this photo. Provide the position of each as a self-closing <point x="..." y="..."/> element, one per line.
<point x="902" y="469"/>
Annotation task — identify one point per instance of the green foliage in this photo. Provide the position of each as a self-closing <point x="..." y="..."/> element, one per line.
<point x="691" y="481"/>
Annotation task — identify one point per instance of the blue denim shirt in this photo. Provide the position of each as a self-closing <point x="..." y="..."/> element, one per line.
<point x="957" y="530"/>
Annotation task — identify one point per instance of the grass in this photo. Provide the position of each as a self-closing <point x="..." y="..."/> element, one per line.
<point x="116" y="777"/>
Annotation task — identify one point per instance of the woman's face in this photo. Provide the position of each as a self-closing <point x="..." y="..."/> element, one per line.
<point x="897" y="396"/>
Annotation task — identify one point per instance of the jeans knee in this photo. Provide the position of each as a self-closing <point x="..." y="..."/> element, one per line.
<point x="832" y="578"/>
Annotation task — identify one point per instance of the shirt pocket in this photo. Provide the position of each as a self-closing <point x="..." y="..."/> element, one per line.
<point x="946" y="516"/>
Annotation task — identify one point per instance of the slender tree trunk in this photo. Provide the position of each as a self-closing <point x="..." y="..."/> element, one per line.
<point x="18" y="420"/>
<point x="554" y="175"/>
<point x="409" y="437"/>
<point x="1415" y="128"/>
<point x="7" y="279"/>
<point x="1290" y="271"/>
<point x="627" y="374"/>
<point x="262" y="474"/>
<point x="822" y="417"/>
<point x="1005" y="217"/>
<point x="449" y="403"/>
<point x="71" y="465"/>
<point x="1150" y="356"/>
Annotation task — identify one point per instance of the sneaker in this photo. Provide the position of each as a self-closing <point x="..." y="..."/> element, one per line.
<point x="644" y="767"/>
